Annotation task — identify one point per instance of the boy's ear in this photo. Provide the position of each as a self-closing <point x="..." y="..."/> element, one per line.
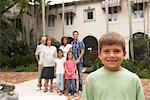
<point x="99" y="55"/>
<point x="124" y="54"/>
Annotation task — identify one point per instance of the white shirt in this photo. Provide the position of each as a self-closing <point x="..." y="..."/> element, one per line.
<point x="48" y="56"/>
<point x="60" y="65"/>
<point x="65" y="49"/>
<point x="39" y="50"/>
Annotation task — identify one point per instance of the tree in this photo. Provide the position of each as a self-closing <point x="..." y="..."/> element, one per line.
<point x="8" y="31"/>
<point x="8" y="35"/>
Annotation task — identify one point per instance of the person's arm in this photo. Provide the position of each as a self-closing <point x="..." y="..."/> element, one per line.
<point x="66" y="70"/>
<point x="41" y="62"/>
<point x="70" y="48"/>
<point x="82" y="53"/>
<point x="64" y="67"/>
<point x="140" y="93"/>
<point x="37" y="54"/>
<point x="88" y="93"/>
<point x="55" y="55"/>
<point x="55" y="69"/>
<point x="37" y="58"/>
<point x="74" y="69"/>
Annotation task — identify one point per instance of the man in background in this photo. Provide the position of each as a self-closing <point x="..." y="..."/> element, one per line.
<point x="38" y="51"/>
<point x="78" y="51"/>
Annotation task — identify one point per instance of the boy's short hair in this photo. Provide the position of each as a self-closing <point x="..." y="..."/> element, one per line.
<point x="111" y="38"/>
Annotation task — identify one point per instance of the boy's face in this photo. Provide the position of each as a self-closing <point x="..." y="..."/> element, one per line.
<point x="112" y="56"/>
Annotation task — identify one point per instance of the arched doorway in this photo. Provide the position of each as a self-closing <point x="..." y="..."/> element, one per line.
<point x="140" y="45"/>
<point x="91" y="50"/>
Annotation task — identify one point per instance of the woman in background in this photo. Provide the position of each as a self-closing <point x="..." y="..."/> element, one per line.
<point x="48" y="61"/>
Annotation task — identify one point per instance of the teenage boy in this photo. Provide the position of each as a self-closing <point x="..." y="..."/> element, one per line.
<point x="78" y="52"/>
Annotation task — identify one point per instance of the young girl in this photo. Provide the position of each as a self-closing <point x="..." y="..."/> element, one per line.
<point x="70" y="73"/>
<point x="59" y="69"/>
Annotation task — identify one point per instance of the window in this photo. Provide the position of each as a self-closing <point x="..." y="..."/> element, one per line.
<point x="69" y="18"/>
<point x="138" y="11"/>
<point x="89" y="14"/>
<point x="51" y="21"/>
<point x="112" y="16"/>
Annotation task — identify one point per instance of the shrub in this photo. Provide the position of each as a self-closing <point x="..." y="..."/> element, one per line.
<point x="128" y="64"/>
<point x="145" y="73"/>
<point x="16" y="60"/>
<point x="97" y="64"/>
<point x="4" y="61"/>
<point x="31" y="68"/>
<point x="20" y="60"/>
<point x="138" y="67"/>
<point x="86" y="59"/>
<point x="56" y="43"/>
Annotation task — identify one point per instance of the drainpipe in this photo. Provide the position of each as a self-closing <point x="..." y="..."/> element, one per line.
<point x="148" y="32"/>
<point x="43" y="16"/>
<point x="144" y="27"/>
<point x="63" y="6"/>
<point x="130" y="30"/>
<point x="107" y="23"/>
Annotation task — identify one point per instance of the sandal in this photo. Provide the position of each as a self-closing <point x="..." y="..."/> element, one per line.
<point x="51" y="90"/>
<point x="60" y="93"/>
<point x="46" y="89"/>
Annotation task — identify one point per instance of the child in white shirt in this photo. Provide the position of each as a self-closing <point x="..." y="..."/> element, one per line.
<point x="59" y="69"/>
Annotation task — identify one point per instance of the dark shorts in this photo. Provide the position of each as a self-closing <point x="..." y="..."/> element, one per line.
<point x="48" y="73"/>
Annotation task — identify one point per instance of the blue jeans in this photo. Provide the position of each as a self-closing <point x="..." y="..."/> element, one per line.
<point x="79" y="68"/>
<point x="60" y="81"/>
<point x="71" y="86"/>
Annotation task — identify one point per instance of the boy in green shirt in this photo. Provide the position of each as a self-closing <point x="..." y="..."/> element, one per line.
<point x="112" y="82"/>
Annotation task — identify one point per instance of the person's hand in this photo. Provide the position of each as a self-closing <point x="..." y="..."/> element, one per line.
<point x="54" y="74"/>
<point x="41" y="65"/>
<point x="70" y="74"/>
<point x="77" y="61"/>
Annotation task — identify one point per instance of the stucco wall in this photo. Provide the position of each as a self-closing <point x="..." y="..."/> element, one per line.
<point x="97" y="27"/>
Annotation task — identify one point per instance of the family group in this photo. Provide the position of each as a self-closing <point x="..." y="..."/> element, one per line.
<point x="65" y="63"/>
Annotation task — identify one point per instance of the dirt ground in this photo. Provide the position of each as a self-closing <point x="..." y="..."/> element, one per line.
<point x="18" y="77"/>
